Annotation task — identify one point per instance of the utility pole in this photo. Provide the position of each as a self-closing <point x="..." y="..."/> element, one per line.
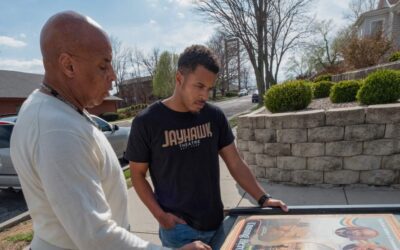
<point x="226" y="80"/>
<point x="227" y="41"/>
<point x="238" y="56"/>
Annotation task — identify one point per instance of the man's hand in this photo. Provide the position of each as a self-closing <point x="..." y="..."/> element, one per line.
<point x="168" y="221"/>
<point x="276" y="203"/>
<point x="195" y="245"/>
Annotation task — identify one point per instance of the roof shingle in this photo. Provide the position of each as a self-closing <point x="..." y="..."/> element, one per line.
<point x="14" y="84"/>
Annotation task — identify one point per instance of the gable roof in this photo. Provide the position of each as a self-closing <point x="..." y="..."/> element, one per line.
<point x="384" y="7"/>
<point x="14" y="84"/>
<point x="137" y="80"/>
<point x="386" y="3"/>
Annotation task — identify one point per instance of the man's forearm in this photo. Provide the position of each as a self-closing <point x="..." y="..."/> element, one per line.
<point x="145" y="192"/>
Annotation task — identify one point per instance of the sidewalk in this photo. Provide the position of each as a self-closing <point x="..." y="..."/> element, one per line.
<point x="145" y="226"/>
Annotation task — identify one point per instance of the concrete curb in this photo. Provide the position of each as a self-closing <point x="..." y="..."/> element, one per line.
<point x="14" y="221"/>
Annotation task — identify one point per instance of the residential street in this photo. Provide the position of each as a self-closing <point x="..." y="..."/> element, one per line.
<point x="230" y="107"/>
<point x="236" y="106"/>
<point x="11" y="204"/>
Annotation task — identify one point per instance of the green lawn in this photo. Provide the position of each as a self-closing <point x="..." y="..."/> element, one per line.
<point x="20" y="237"/>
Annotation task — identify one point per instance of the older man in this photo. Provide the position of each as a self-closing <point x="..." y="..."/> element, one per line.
<point x="70" y="175"/>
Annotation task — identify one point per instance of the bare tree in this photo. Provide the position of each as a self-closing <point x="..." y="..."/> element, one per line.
<point x="357" y="7"/>
<point x="288" y="24"/>
<point x="120" y="61"/>
<point x="150" y="61"/>
<point x="360" y="52"/>
<point x="299" y="67"/>
<point x="245" y="75"/>
<point x="141" y="69"/>
<point x="323" y="50"/>
<point x="268" y="29"/>
<point x="245" y="20"/>
<point x="216" y="43"/>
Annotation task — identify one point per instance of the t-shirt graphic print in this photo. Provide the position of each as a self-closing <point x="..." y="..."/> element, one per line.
<point x="187" y="138"/>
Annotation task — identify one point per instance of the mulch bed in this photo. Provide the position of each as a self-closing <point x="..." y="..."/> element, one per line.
<point x="325" y="104"/>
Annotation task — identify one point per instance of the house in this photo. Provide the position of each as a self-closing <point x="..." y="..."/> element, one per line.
<point x="386" y="18"/>
<point x="136" y="91"/>
<point x="15" y="87"/>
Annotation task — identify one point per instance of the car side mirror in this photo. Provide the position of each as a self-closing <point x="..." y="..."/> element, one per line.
<point x="115" y="127"/>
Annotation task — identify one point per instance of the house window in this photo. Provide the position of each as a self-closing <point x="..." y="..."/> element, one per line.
<point x="376" y="27"/>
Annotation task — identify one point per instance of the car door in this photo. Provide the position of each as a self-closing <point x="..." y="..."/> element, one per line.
<point x="112" y="137"/>
<point x="6" y="166"/>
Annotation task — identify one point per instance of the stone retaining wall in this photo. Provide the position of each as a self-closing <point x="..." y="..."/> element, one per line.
<point x="338" y="146"/>
<point x="364" y="72"/>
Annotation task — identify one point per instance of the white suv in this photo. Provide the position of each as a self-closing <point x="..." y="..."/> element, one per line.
<point x="243" y="92"/>
<point x="117" y="136"/>
<point x="8" y="176"/>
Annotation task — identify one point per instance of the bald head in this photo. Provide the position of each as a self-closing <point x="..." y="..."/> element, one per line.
<point x="77" y="59"/>
<point x="70" y="32"/>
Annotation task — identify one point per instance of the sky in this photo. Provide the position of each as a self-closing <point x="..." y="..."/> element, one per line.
<point x="144" y="24"/>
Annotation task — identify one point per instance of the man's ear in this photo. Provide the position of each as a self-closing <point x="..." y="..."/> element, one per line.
<point x="66" y="64"/>
<point x="179" y="77"/>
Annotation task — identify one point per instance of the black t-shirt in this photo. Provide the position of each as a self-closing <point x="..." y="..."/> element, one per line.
<point x="182" y="151"/>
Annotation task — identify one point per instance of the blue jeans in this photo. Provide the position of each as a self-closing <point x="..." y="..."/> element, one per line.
<point x="183" y="234"/>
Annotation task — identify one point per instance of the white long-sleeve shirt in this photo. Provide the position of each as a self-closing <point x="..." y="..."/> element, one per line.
<point x="71" y="178"/>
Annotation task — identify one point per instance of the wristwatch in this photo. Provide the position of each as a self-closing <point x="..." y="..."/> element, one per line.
<point x="263" y="199"/>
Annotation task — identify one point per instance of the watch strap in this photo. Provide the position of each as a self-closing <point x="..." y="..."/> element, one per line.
<point x="263" y="199"/>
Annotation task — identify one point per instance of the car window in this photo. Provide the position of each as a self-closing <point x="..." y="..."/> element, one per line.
<point x="5" y="135"/>
<point x="103" y="125"/>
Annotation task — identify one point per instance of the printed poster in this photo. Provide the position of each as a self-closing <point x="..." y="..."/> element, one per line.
<point x="315" y="232"/>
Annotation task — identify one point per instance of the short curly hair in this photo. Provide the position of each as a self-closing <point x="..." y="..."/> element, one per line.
<point x="196" y="55"/>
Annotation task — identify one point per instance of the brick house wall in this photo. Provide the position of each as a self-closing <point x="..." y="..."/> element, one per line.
<point x="10" y="105"/>
<point x="106" y="106"/>
<point x="16" y="86"/>
<point x="136" y="91"/>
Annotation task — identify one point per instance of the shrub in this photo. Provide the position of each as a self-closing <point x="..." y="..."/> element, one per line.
<point x="394" y="57"/>
<point x="382" y="86"/>
<point x="344" y="91"/>
<point x="320" y="78"/>
<point x="360" y="52"/>
<point x="290" y="96"/>
<point x="122" y="116"/>
<point x="109" y="116"/>
<point x="131" y="110"/>
<point x="231" y="93"/>
<point x="321" y="89"/>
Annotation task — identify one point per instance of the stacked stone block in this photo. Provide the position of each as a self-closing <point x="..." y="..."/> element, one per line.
<point x="337" y="146"/>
